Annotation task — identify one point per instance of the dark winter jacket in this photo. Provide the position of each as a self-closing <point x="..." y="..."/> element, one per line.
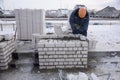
<point x="78" y="25"/>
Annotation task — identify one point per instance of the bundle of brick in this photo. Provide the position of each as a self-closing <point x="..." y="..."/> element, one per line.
<point x="6" y="49"/>
<point x="67" y="51"/>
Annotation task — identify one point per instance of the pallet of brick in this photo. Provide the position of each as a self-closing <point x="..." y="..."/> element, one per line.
<point x="6" y="49"/>
<point x="28" y="22"/>
<point x="66" y="52"/>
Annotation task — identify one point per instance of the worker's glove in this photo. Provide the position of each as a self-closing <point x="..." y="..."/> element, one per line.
<point x="77" y="26"/>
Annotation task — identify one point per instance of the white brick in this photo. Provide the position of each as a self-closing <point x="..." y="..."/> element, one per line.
<point x="79" y="62"/>
<point x="85" y="63"/>
<point x="55" y="49"/>
<point x="49" y="45"/>
<point x="45" y="49"/>
<point x="60" y="49"/>
<point x="50" y="49"/>
<point x="50" y="63"/>
<point x="41" y="53"/>
<point x="40" y="56"/>
<point x="80" y="48"/>
<point x="84" y="43"/>
<point x="60" y="52"/>
<point x="75" y="48"/>
<point x="85" y="56"/>
<point x="70" y="52"/>
<point x="41" y="45"/>
<point x="55" y="63"/>
<point x="77" y="59"/>
<point x="50" y="67"/>
<point x="70" y="44"/>
<point x="84" y="52"/>
<point x="78" y="52"/>
<point x="65" y="49"/>
<point x="40" y="49"/>
<point x="45" y="56"/>
<point x="84" y="59"/>
<point x="83" y="38"/>
<point x="60" y="45"/>
<point x="85" y="48"/>
<point x="79" y="56"/>
<point x="65" y="63"/>
<point x="42" y="67"/>
<point x="60" y="63"/>
<point x="51" y="52"/>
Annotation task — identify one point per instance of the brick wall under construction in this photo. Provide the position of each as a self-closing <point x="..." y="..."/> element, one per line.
<point x="63" y="51"/>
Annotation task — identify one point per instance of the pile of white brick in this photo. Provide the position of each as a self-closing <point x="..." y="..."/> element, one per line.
<point x="66" y="51"/>
<point x="6" y="49"/>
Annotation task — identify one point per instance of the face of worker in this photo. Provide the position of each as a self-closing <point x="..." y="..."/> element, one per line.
<point x="82" y="12"/>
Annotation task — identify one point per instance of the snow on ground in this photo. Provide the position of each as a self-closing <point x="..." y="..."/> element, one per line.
<point x="106" y="36"/>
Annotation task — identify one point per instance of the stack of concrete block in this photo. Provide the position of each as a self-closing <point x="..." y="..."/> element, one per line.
<point x="29" y="22"/>
<point x="65" y="51"/>
<point x="6" y="49"/>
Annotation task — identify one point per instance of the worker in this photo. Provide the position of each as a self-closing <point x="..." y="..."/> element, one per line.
<point x="79" y="20"/>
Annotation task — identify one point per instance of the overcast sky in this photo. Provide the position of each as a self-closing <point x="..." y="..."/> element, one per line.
<point x="56" y="4"/>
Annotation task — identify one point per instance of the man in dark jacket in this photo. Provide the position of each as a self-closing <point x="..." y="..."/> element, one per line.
<point x="79" y="21"/>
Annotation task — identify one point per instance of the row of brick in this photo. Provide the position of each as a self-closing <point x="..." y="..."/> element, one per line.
<point x="59" y="43"/>
<point x="63" y="36"/>
<point x="6" y="49"/>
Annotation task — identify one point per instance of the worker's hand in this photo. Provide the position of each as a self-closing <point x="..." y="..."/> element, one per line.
<point x="77" y="26"/>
